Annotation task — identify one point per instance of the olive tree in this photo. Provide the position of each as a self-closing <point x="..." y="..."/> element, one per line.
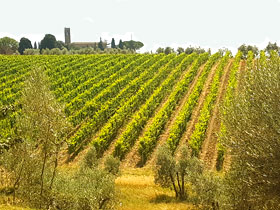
<point x="160" y="50"/>
<point x="91" y="187"/>
<point x="253" y="138"/>
<point x="168" y="50"/>
<point x="204" y="187"/>
<point x="41" y="131"/>
<point x="180" y="50"/>
<point x="31" y="52"/>
<point x="165" y="170"/>
<point x="246" y="48"/>
<point x="272" y="47"/>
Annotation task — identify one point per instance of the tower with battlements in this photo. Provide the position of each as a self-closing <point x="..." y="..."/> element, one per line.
<point x="67" y="36"/>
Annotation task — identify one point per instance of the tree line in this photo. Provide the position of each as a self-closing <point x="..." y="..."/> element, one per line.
<point x="24" y="46"/>
<point x="243" y="48"/>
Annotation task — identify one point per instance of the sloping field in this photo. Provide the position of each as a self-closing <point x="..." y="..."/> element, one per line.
<point x="128" y="105"/>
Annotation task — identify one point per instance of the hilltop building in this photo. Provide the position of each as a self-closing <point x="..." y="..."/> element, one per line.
<point x="80" y="44"/>
<point x="67" y="36"/>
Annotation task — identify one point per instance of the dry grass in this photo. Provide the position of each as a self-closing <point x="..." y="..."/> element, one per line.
<point x="138" y="191"/>
<point x="6" y="203"/>
<point x="8" y="207"/>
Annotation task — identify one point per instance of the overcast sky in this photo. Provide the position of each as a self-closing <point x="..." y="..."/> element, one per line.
<point x="206" y="23"/>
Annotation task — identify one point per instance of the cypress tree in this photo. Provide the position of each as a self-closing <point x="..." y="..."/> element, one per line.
<point x="113" y="44"/>
<point x="121" y="44"/>
<point x="100" y="45"/>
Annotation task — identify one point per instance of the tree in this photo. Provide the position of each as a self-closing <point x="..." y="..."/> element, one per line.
<point x="55" y="51"/>
<point x="31" y="52"/>
<point x="243" y="49"/>
<point x="24" y="44"/>
<point x="41" y="131"/>
<point x="252" y="136"/>
<point x="60" y="45"/>
<point x="113" y="44"/>
<point x="168" y="50"/>
<point x="121" y="46"/>
<point x="90" y="187"/>
<point x="133" y="45"/>
<point x="49" y="42"/>
<point x="199" y="50"/>
<point x="246" y="48"/>
<point x="169" y="173"/>
<point x="100" y="45"/>
<point x="160" y="50"/>
<point x="8" y="46"/>
<point x="112" y="165"/>
<point x="165" y="173"/>
<point x="35" y="45"/>
<point x="254" y="49"/>
<point x="187" y="171"/>
<point x="271" y="47"/>
<point x="223" y="51"/>
<point x="30" y="164"/>
<point x="7" y="128"/>
<point x="180" y="50"/>
<point x="189" y="50"/>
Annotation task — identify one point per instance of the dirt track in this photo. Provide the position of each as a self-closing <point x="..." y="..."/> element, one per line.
<point x="209" y="149"/>
<point x="227" y="158"/>
<point x="196" y="110"/>
<point x="163" y="138"/>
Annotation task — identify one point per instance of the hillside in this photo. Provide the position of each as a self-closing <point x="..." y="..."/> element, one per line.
<point x="128" y="105"/>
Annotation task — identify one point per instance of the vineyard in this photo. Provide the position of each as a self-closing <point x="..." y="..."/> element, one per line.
<point x="129" y="105"/>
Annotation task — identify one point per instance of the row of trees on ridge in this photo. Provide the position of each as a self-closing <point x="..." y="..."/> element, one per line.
<point x="11" y="46"/>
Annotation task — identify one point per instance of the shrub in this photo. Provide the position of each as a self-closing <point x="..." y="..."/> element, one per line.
<point x="112" y="165"/>
<point x="252" y="135"/>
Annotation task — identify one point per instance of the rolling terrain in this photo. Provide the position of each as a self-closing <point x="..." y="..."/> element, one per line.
<point x="129" y="105"/>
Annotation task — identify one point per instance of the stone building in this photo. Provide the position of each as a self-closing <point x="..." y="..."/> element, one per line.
<point x="80" y="44"/>
<point x="67" y="36"/>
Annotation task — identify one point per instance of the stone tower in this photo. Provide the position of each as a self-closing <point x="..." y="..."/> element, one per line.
<point x="67" y="36"/>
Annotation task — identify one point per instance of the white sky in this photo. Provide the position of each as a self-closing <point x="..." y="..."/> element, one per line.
<point x="205" y="23"/>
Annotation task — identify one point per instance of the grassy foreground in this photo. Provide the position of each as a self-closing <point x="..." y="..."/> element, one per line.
<point x="138" y="191"/>
<point x="8" y="207"/>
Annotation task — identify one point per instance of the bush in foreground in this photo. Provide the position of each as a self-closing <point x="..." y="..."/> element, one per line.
<point x="188" y="178"/>
<point x="29" y="166"/>
<point x="252" y="135"/>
